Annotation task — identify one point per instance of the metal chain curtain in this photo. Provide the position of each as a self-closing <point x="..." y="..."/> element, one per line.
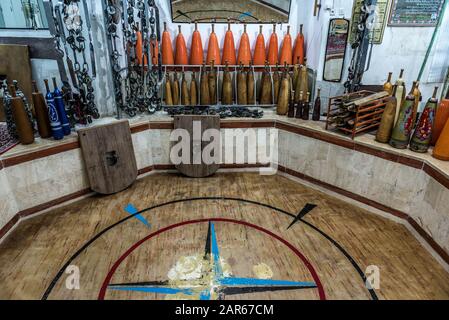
<point x="135" y="78"/>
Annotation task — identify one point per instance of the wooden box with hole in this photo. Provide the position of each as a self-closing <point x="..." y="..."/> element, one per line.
<point x="109" y="157"/>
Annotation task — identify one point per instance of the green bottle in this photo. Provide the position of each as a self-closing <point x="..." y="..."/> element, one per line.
<point x="423" y="133"/>
<point x="403" y="129"/>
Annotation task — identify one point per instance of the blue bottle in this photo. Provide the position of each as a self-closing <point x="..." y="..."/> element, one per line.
<point x="59" y="101"/>
<point x="55" y="124"/>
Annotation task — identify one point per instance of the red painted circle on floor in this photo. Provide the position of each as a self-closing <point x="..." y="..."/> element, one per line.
<point x="115" y="266"/>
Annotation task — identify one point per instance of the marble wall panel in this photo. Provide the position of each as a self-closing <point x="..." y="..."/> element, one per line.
<point x="257" y="146"/>
<point x="8" y="204"/>
<point x="395" y="185"/>
<point x="392" y="184"/>
<point x="142" y="149"/>
<point x="160" y="146"/>
<point x="42" y="180"/>
<point x="430" y="209"/>
<point x="307" y="156"/>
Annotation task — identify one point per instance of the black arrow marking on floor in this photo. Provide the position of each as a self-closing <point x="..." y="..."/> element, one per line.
<point x="244" y="290"/>
<point x="309" y="207"/>
<point x="208" y="247"/>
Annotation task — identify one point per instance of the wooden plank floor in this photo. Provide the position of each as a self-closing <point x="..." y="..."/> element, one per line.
<point x="251" y="233"/>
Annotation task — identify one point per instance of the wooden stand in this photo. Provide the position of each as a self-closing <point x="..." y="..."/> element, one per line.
<point x="361" y="117"/>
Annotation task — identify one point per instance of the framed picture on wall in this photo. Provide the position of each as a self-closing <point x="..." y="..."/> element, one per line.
<point x="415" y="13"/>
<point x="380" y="22"/>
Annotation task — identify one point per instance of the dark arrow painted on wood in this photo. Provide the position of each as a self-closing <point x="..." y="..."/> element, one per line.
<point x="308" y="208"/>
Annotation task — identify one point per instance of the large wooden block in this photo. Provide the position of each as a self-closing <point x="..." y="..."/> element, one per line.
<point x="109" y="157"/>
<point x="197" y="146"/>
<point x="15" y="65"/>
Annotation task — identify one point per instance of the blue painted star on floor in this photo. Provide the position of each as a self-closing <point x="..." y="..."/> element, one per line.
<point x="133" y="211"/>
<point x="220" y="284"/>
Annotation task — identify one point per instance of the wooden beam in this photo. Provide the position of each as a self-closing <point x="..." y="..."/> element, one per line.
<point x="40" y="48"/>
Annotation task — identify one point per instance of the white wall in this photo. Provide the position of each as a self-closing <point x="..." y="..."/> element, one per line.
<point x="402" y="48"/>
<point x="405" y="48"/>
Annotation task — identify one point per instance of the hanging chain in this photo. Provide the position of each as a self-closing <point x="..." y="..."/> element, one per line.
<point x="77" y="42"/>
<point x="136" y="82"/>
<point x="67" y="17"/>
<point x="358" y="60"/>
<point x="11" y="125"/>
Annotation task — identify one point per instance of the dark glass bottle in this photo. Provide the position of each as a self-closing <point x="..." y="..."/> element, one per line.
<point x="299" y="106"/>
<point x="306" y="108"/>
<point x="317" y="107"/>
<point x="292" y="106"/>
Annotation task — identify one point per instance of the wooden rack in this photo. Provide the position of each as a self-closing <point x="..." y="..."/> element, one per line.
<point x="362" y="118"/>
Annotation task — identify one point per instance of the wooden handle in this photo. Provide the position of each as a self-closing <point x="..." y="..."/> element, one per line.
<point x="36" y="90"/>
<point x="12" y="90"/>
<point x="46" y="85"/>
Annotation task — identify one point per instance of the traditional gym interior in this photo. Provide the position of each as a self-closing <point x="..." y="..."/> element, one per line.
<point x="239" y="150"/>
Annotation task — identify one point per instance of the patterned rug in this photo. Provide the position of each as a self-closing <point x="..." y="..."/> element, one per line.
<point x="6" y="141"/>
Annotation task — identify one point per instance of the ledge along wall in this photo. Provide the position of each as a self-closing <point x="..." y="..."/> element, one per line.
<point x="408" y="188"/>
